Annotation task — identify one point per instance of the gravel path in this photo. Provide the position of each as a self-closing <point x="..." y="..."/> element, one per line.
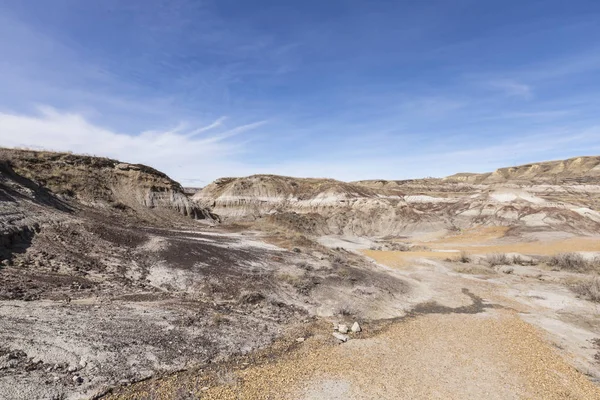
<point x="439" y="356"/>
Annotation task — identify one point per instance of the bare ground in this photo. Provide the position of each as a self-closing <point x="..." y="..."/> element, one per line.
<point x="497" y="335"/>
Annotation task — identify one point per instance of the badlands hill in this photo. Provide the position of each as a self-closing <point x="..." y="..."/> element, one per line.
<point x="558" y="194"/>
<point x="101" y="182"/>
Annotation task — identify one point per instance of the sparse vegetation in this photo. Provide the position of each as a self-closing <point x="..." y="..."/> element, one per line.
<point x="574" y="262"/>
<point x="588" y="288"/>
<point x="498" y="259"/>
<point x="344" y="311"/>
<point x="519" y="260"/>
<point x="464" y="257"/>
<point x="474" y="269"/>
<point x="305" y="266"/>
<point x="302" y="284"/>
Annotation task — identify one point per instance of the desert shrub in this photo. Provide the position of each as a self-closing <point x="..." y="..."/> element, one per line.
<point x="251" y="298"/>
<point x="524" y="261"/>
<point x="119" y="206"/>
<point x="305" y="266"/>
<point x="464" y="257"/>
<point x="399" y="247"/>
<point x="498" y="259"/>
<point x="301" y="284"/>
<point x="344" y="311"/>
<point x="337" y="260"/>
<point x="573" y="262"/>
<point x="568" y="261"/>
<point x="588" y="288"/>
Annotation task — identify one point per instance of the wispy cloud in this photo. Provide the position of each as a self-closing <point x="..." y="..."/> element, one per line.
<point x="173" y="151"/>
<point x="217" y="123"/>
<point x="512" y="88"/>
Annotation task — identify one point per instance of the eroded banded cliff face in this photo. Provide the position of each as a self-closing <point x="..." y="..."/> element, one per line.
<point x="102" y="182"/>
<point x="559" y="194"/>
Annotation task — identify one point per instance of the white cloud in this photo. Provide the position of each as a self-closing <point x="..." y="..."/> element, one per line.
<point x="176" y="152"/>
<point x="197" y="160"/>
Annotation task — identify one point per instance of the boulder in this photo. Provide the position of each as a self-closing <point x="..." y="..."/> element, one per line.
<point x="340" y="337"/>
<point x="356" y="327"/>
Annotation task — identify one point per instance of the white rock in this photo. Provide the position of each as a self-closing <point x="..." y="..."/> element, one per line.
<point x="340" y="337"/>
<point x="72" y="368"/>
<point x="300" y="340"/>
<point x="343" y="329"/>
<point x="356" y="327"/>
<point x="82" y="363"/>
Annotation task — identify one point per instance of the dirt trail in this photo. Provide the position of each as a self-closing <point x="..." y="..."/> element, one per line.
<point x="491" y="355"/>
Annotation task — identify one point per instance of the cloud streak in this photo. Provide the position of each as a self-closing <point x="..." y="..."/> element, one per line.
<point x="198" y="160"/>
<point x="513" y="88"/>
<point x="173" y="151"/>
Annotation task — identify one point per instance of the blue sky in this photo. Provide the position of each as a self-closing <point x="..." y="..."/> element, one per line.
<point x="345" y="89"/>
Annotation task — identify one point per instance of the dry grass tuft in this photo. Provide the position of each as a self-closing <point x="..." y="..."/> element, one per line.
<point x="498" y="259"/>
<point x="588" y="288"/>
<point x="474" y="269"/>
<point x="464" y="257"/>
<point x="574" y="262"/>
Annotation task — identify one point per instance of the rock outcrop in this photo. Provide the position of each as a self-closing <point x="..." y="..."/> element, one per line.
<point x="557" y="194"/>
<point x="102" y="182"/>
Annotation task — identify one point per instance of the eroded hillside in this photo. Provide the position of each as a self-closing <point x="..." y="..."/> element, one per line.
<point x="95" y="252"/>
<point x="561" y="195"/>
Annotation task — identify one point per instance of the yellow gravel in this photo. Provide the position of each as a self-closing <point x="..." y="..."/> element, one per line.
<point x="453" y="356"/>
<point x="429" y="357"/>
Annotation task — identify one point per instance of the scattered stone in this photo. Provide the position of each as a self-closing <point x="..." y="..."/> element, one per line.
<point x="77" y="379"/>
<point x="343" y="329"/>
<point x="296" y="250"/>
<point x="356" y="327"/>
<point x="72" y="368"/>
<point x="300" y="340"/>
<point x="205" y="388"/>
<point x="340" y="337"/>
<point x="82" y="363"/>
